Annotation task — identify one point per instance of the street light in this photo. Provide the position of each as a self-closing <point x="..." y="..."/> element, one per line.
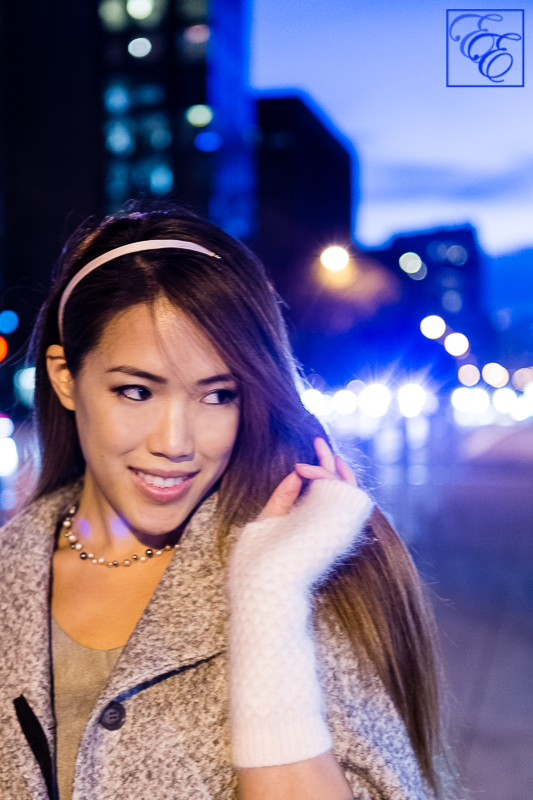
<point x="335" y="258"/>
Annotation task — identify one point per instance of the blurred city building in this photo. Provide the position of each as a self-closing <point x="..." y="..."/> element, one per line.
<point x="50" y="145"/>
<point x="177" y="113"/>
<point x="100" y="102"/>
<point x="307" y="187"/>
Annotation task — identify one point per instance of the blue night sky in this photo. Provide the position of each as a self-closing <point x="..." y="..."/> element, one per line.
<point x="429" y="154"/>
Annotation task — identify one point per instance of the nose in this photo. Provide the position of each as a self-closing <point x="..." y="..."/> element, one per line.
<point x="172" y="434"/>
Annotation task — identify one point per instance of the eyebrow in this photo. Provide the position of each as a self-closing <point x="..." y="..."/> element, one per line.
<point x="224" y="377"/>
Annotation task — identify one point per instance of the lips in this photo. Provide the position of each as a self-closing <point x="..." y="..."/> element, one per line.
<point x="162" y="487"/>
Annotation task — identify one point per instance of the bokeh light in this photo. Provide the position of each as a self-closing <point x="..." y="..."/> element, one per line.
<point x="116" y="98"/>
<point x="522" y="409"/>
<point x="452" y="301"/>
<point x="119" y="139"/>
<point x="6" y="426"/>
<point x="456" y="344"/>
<point x="470" y="400"/>
<point x="504" y="400"/>
<point x="197" y="34"/>
<point x="161" y="179"/>
<point x="208" y="141"/>
<point x="335" y="258"/>
<point x="420" y="274"/>
<point x="411" y="398"/>
<point x="9" y="458"/>
<point x="112" y="15"/>
<point x="344" y="402"/>
<point x="469" y="374"/>
<point x="313" y="401"/>
<point x="139" y="9"/>
<point x="375" y="400"/>
<point x="139" y="48"/>
<point x="24" y="381"/>
<point x="519" y="380"/>
<point x="199" y="116"/>
<point x="3" y="348"/>
<point x="433" y="327"/>
<point x="457" y="255"/>
<point x="495" y="375"/>
<point x="8" y="321"/>
<point x="356" y="386"/>
<point x="410" y="262"/>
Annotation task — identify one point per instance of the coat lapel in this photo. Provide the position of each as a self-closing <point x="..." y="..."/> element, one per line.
<point x="185" y="620"/>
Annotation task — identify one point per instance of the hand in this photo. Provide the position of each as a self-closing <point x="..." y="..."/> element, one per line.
<point x="331" y="468"/>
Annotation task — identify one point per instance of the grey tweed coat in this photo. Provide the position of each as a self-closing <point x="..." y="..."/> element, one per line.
<point x="171" y="682"/>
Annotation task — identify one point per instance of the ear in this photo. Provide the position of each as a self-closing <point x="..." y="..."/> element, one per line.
<point x="59" y="375"/>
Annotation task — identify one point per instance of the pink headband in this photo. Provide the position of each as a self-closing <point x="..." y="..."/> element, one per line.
<point x="134" y="247"/>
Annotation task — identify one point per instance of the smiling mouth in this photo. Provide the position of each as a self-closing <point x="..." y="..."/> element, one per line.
<point x="163" y="483"/>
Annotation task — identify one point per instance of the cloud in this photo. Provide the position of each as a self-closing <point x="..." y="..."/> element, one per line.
<point x="390" y="182"/>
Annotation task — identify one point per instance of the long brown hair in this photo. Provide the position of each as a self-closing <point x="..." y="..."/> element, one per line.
<point x="377" y="596"/>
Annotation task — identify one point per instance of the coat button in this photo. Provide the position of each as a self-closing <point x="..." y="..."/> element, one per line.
<point x="113" y="716"/>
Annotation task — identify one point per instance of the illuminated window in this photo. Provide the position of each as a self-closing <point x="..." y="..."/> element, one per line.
<point x="199" y="115"/>
<point x="197" y="34"/>
<point x="113" y="15"/>
<point x="139" y="48"/>
<point x="139" y="9"/>
<point x="161" y="179"/>
<point x="208" y="141"/>
<point x="116" y="99"/>
<point x="119" y="139"/>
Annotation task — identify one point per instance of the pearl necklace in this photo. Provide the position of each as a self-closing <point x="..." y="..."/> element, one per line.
<point x="70" y="536"/>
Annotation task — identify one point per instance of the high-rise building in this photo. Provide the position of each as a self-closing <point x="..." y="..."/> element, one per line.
<point x="177" y="115"/>
<point x="307" y="195"/>
<point x="102" y="101"/>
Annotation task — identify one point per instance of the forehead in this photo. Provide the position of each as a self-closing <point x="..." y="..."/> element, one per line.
<point x="158" y="335"/>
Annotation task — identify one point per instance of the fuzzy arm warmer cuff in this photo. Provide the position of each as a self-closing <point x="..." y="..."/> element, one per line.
<point x="276" y="700"/>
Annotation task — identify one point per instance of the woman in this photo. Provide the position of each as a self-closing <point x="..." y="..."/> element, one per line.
<point x="186" y="499"/>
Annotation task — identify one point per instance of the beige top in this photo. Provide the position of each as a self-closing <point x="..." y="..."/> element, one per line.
<point x="80" y="674"/>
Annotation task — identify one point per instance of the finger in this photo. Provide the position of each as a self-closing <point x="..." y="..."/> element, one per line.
<point x="344" y="471"/>
<point x="314" y="473"/>
<point x="283" y="497"/>
<point x="325" y="455"/>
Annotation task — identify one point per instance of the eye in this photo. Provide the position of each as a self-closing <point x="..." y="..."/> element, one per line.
<point x="136" y="393"/>
<point x="220" y="397"/>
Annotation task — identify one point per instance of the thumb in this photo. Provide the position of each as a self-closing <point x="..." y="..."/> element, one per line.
<point x="283" y="497"/>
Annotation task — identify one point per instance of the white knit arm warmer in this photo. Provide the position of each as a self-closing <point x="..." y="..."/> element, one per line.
<point x="276" y="700"/>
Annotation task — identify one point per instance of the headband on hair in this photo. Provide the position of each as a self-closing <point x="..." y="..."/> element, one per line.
<point x="134" y="247"/>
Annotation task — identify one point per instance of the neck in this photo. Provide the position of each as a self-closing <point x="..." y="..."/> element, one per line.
<point x="104" y="532"/>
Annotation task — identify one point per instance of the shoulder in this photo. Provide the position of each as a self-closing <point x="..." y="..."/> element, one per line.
<point x="370" y="738"/>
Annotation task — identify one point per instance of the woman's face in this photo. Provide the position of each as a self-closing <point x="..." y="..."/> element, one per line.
<point x="157" y="414"/>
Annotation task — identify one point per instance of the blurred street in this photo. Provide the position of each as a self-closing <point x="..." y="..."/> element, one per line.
<point x="472" y="542"/>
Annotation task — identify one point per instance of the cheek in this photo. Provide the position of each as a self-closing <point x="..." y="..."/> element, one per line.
<point x="217" y="438"/>
<point x="103" y="431"/>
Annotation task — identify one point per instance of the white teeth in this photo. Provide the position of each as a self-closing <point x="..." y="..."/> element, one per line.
<point x="161" y="483"/>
